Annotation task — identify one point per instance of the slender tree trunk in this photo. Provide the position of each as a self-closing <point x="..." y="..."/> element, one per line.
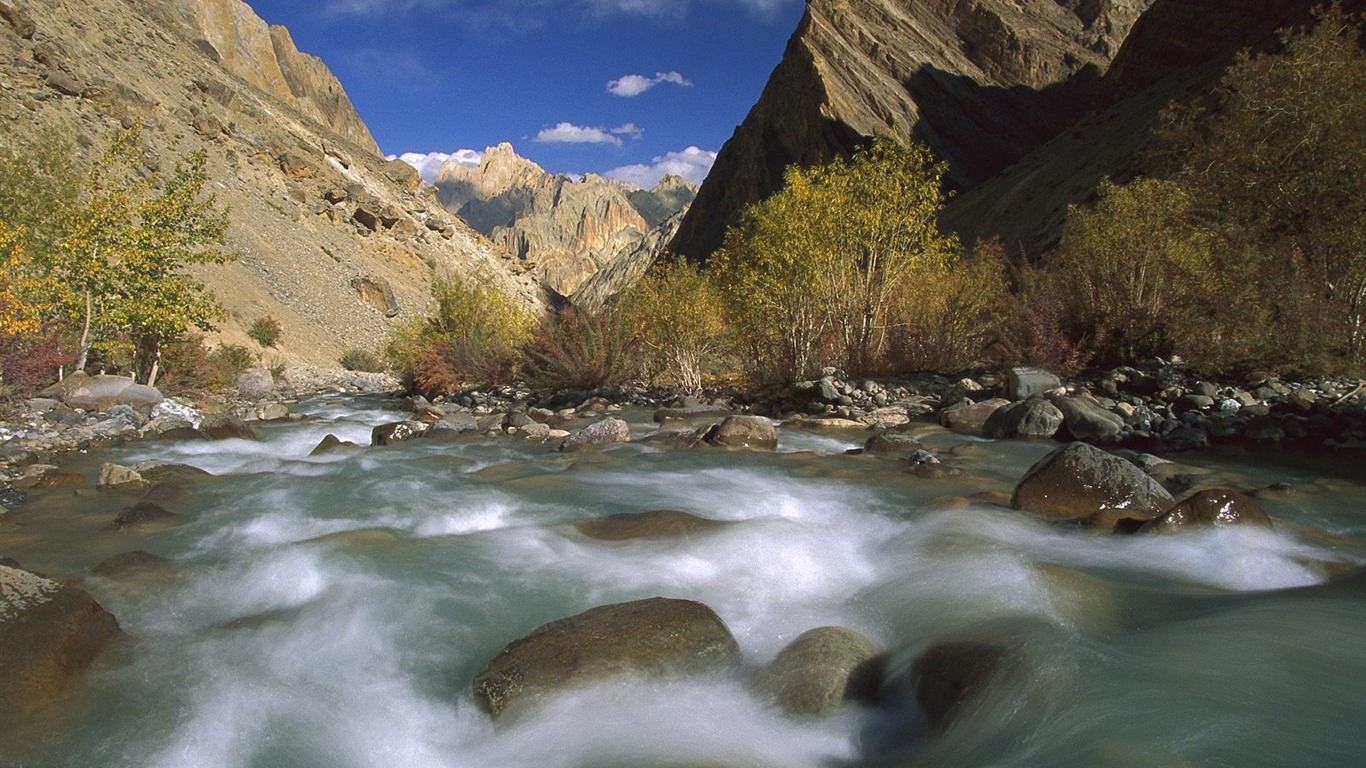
<point x="85" y="333"/>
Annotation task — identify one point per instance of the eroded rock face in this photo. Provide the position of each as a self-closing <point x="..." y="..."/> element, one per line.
<point x="656" y="637"/>
<point x="981" y="83"/>
<point x="820" y="670"/>
<point x="49" y="632"/>
<point x="1080" y="480"/>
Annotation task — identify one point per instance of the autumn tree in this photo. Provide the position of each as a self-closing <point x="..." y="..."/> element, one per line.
<point x="677" y="312"/>
<point x="127" y="240"/>
<point x="1280" y="163"/>
<point x="821" y="261"/>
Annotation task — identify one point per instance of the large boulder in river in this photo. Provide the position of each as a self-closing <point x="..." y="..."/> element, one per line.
<point x="1032" y="419"/>
<point x="822" y="669"/>
<point x="656" y="637"/>
<point x="744" y="431"/>
<point x="952" y="674"/>
<point x="1212" y="506"/>
<point x="1080" y="480"/>
<point x="100" y="393"/>
<point x="1024" y="383"/>
<point x="49" y="632"/>
<point x="602" y="432"/>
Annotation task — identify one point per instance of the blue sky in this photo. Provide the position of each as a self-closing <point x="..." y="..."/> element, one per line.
<point x="625" y="88"/>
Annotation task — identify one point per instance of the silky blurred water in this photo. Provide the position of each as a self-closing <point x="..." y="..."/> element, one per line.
<point x="332" y="611"/>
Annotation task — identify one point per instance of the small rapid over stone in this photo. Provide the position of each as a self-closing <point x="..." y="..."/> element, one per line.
<point x="335" y="610"/>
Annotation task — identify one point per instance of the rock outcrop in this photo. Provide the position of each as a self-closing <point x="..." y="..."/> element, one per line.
<point x="981" y="82"/>
<point x="313" y="205"/>
<point x="563" y="231"/>
<point x="49" y="632"/>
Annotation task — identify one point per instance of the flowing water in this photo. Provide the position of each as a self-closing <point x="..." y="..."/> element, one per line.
<point x="332" y="611"/>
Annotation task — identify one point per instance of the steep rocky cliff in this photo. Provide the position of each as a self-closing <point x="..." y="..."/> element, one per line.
<point x="320" y="222"/>
<point x="982" y="82"/>
<point x="558" y="229"/>
<point x="1178" y="51"/>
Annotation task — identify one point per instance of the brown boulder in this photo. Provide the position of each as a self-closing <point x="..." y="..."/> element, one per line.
<point x="744" y="431"/>
<point x="1080" y="480"/>
<point x="48" y="632"/>
<point x="657" y="637"/>
<point x="1032" y="419"/>
<point x="656" y="524"/>
<point x="970" y="418"/>
<point x="1212" y="506"/>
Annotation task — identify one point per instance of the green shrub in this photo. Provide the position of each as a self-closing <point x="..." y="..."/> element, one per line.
<point x="679" y="317"/>
<point x="577" y="350"/>
<point x="265" y="331"/>
<point x="363" y="360"/>
<point x="188" y="367"/>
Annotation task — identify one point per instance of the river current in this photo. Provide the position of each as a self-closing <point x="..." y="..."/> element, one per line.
<point x="332" y="611"/>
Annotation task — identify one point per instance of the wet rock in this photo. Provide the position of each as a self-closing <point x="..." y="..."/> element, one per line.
<point x="950" y="675"/>
<point x="1212" y="506"/>
<point x="1079" y="480"/>
<point x="1032" y="419"/>
<point x="451" y="426"/>
<point x="45" y="476"/>
<point x="143" y="513"/>
<point x="691" y="414"/>
<point x="226" y="426"/>
<point x="969" y="418"/>
<point x="331" y="444"/>
<point x="169" y="473"/>
<point x="135" y="566"/>
<point x="49" y="632"/>
<point x="656" y="524"/>
<point x="396" y="432"/>
<point x="603" y="432"/>
<point x="891" y="443"/>
<point x="1084" y="419"/>
<point x="656" y="637"/>
<point x="744" y="431"/>
<point x="820" y="670"/>
<point x="116" y="477"/>
<point x="1024" y="383"/>
<point x="272" y="412"/>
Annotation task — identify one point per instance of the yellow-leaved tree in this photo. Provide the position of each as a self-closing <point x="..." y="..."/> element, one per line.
<point x="119" y="267"/>
<point x="679" y="318"/>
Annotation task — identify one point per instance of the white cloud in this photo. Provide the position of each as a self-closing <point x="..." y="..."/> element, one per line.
<point x="428" y="165"/>
<point x="568" y="133"/>
<point x="634" y="85"/>
<point x="692" y="164"/>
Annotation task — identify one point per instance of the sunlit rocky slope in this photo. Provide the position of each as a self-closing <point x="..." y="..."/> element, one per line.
<point x="332" y="240"/>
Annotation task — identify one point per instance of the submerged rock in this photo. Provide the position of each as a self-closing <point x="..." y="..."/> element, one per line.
<point x="950" y="675"/>
<point x="656" y="524"/>
<point x="656" y="637"/>
<point x="143" y="513"/>
<point x="49" y="632"/>
<point x="1079" y="480"/>
<point x="820" y="670"/>
<point x="117" y="477"/>
<point x="1212" y="506"/>
<point x="135" y="566"/>
<point x="331" y="444"/>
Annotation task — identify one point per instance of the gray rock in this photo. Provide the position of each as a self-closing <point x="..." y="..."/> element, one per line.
<point x="657" y="637"/>
<point x="331" y="444"/>
<point x="119" y="478"/>
<point x="272" y="412"/>
<point x="451" y="426"/>
<point x="396" y="432"/>
<point x="1023" y="383"/>
<point x="891" y="443"/>
<point x="96" y="393"/>
<point x="602" y="432"/>
<point x="1079" y="480"/>
<point x="744" y="431"/>
<point x="1035" y="419"/>
<point x="1085" y="419"/>
<point x="226" y="426"/>
<point x="820" y="670"/>
<point x="254" y="384"/>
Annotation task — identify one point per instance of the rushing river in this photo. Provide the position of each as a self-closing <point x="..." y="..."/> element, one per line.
<point x="332" y="611"/>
